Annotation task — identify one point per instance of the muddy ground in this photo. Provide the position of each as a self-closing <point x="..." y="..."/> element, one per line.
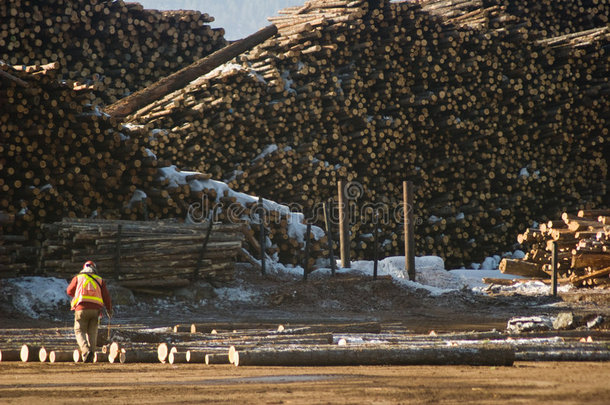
<point x="344" y="298"/>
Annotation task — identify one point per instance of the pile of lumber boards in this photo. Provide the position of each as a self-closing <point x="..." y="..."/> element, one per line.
<point x="114" y="46"/>
<point x="142" y="254"/>
<point x="583" y="249"/>
<point x="497" y="111"/>
<point x="309" y="345"/>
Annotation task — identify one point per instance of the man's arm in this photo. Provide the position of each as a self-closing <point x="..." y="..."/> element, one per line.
<point x="71" y="290"/>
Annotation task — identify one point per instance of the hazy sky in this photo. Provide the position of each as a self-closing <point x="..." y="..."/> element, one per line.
<point x="239" y="18"/>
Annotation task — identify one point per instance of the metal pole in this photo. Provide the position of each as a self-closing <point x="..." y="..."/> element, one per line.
<point x="554" y="268"/>
<point x="307" y="243"/>
<point x="329" y="233"/>
<point x="344" y="239"/>
<point x="261" y="217"/>
<point x="407" y="188"/>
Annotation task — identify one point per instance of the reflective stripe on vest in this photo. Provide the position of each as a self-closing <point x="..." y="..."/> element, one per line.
<point x="88" y="290"/>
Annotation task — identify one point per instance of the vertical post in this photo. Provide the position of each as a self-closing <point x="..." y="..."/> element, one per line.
<point x="306" y="260"/>
<point x="407" y="188"/>
<point x="344" y="239"/>
<point x="329" y="233"/>
<point x="117" y="257"/>
<point x="554" y="255"/>
<point x="261" y="218"/>
<point x="375" y="245"/>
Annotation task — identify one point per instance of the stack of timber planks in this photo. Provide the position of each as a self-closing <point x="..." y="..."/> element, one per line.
<point x="583" y="249"/>
<point x="115" y="46"/>
<point x="143" y="254"/>
<point x="499" y="115"/>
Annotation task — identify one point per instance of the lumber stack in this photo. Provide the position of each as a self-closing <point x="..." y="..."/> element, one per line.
<point x="583" y="249"/>
<point x="114" y="46"/>
<point x="142" y="254"/>
<point x="498" y="116"/>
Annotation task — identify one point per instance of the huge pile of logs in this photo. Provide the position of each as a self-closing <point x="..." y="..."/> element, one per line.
<point x="61" y="158"/>
<point x="497" y="114"/>
<point x="582" y="242"/>
<point x="143" y="254"/>
<point x="15" y="256"/>
<point x="116" y="47"/>
<point x="332" y="345"/>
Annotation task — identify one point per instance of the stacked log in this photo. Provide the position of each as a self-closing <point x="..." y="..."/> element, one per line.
<point x="142" y="254"/>
<point x="498" y="119"/>
<point x="116" y="47"/>
<point x="583" y="244"/>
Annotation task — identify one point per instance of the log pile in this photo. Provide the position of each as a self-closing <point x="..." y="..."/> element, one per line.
<point x="583" y="249"/>
<point x="258" y="345"/>
<point x="496" y="113"/>
<point x="62" y="159"/>
<point x="114" y="46"/>
<point x="142" y="254"/>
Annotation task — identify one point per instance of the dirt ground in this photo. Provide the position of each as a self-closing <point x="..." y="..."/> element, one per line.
<point x="524" y="383"/>
<point x="345" y="298"/>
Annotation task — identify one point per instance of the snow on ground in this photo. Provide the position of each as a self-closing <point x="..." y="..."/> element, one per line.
<point x="34" y="296"/>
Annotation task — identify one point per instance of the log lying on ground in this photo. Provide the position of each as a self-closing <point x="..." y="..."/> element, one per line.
<point x="434" y="355"/>
<point x="10" y="355"/>
<point x="138" y="356"/>
<point x="61" y="356"/>
<point x="29" y="353"/>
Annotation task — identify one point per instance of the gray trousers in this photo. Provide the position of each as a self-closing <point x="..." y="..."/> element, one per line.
<point x="85" y="329"/>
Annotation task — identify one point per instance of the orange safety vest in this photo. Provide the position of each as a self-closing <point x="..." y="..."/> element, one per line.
<point x="88" y="290"/>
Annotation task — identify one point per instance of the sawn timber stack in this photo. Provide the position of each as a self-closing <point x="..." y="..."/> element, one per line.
<point x="143" y="254"/>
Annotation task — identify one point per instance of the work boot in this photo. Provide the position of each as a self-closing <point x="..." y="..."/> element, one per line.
<point x="88" y="358"/>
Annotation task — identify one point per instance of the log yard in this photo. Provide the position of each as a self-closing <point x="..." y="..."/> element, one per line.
<point x="362" y="201"/>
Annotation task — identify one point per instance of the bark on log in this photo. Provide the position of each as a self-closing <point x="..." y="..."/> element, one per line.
<point x="520" y="268"/>
<point x="177" y="357"/>
<point x="138" y="356"/>
<point x="10" y="355"/>
<point x="61" y="356"/>
<point x="347" y="356"/>
<point x="178" y="80"/>
<point x="29" y="353"/>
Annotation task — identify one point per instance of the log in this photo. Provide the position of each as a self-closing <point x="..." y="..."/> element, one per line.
<point x="195" y="356"/>
<point x="29" y="353"/>
<point x="163" y="352"/>
<point x="520" y="268"/>
<point x="76" y="356"/>
<point x="10" y="355"/>
<point x="177" y="357"/>
<point x="138" y="356"/>
<point x="178" y="80"/>
<point x="56" y="356"/>
<point x="216" y="358"/>
<point x="347" y="356"/>
<point x="100" y="357"/>
<point x="43" y="354"/>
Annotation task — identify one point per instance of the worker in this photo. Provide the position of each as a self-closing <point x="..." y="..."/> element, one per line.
<point x="89" y="296"/>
